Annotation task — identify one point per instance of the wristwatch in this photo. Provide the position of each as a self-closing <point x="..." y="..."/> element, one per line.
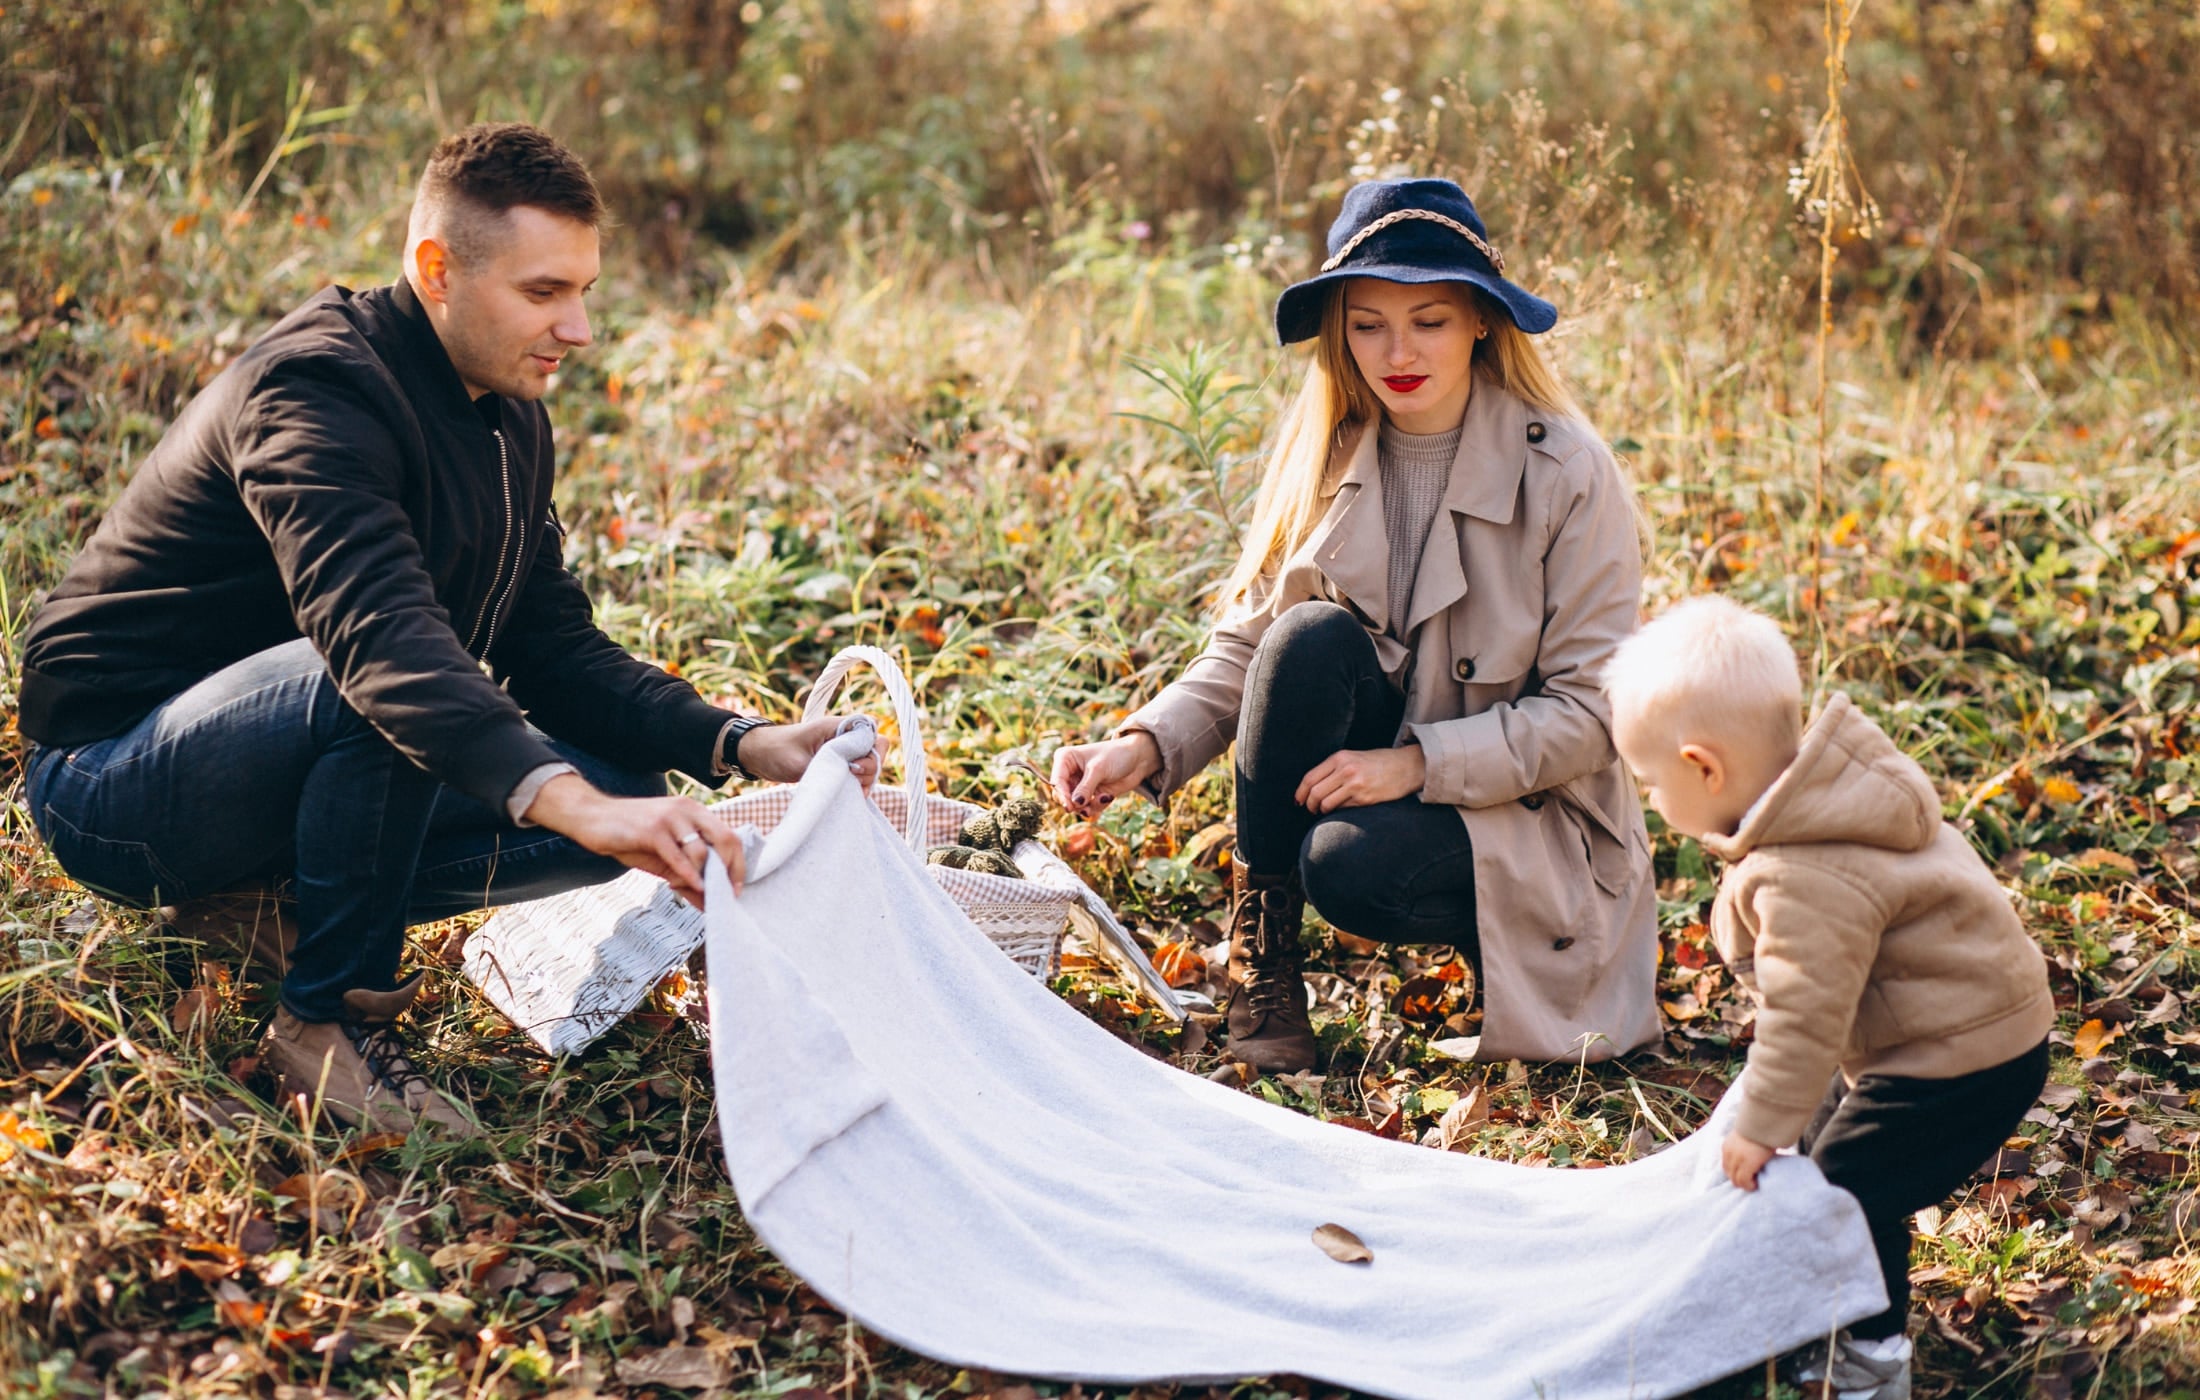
<point x="724" y="760"/>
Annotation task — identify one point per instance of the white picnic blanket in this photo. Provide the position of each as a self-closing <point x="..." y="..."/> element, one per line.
<point x="972" y="1169"/>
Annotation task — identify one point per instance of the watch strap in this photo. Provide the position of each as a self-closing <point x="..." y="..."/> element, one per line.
<point x="724" y="755"/>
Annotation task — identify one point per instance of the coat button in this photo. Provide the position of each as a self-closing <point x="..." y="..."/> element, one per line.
<point x="1536" y="432"/>
<point x="1533" y="802"/>
<point x="1560" y="945"/>
<point x="1463" y="668"/>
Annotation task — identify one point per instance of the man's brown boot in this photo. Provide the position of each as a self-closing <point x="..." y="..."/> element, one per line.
<point x="253" y="924"/>
<point x="1269" y="1027"/>
<point x="359" y="1069"/>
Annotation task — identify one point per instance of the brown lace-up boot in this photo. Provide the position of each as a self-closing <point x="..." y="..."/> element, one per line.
<point x="359" y="1068"/>
<point x="1269" y="1027"/>
<point x="254" y="924"/>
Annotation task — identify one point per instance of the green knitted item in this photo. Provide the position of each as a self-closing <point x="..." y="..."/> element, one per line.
<point x="1018" y="819"/>
<point x="995" y="863"/>
<point x="971" y="858"/>
<point x="983" y="832"/>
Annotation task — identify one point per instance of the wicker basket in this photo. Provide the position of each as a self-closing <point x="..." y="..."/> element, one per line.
<point x="1026" y="918"/>
<point x="566" y="968"/>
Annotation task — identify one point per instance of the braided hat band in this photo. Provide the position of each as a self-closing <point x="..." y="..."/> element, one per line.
<point x="1397" y="216"/>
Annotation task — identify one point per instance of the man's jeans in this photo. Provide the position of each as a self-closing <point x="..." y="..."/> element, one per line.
<point x="261" y="773"/>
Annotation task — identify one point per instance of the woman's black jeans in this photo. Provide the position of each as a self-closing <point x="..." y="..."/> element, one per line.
<point x="1399" y="871"/>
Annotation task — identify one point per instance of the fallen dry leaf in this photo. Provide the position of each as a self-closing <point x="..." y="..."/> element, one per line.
<point x="1220" y="836"/>
<point x="1342" y="1245"/>
<point x="555" y="1284"/>
<point x="682" y="1367"/>
<point x="2100" y="856"/>
<point x="194" y="1011"/>
<point x="1420" y="1000"/>
<point x="1456" y="1128"/>
<point x="1180" y="964"/>
<point x="2093" y="1037"/>
<point x="1355" y="945"/>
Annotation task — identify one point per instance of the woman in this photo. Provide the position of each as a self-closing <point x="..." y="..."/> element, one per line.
<point x="1442" y="557"/>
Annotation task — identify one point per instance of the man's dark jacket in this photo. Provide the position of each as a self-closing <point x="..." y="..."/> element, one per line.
<point x="337" y="483"/>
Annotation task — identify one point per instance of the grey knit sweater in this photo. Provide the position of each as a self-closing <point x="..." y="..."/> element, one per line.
<point x="1415" y="469"/>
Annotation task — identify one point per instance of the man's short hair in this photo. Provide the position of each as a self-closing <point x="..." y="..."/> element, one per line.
<point x="476" y="176"/>
<point x="1713" y="668"/>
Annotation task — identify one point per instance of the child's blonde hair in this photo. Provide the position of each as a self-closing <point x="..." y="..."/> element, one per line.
<point x="1712" y="667"/>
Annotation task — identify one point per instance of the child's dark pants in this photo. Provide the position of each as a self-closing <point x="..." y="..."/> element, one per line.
<point x="1900" y="1145"/>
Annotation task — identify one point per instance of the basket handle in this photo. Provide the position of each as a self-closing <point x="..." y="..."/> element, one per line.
<point x="905" y="713"/>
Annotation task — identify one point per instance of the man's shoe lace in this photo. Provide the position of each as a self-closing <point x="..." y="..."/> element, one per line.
<point x="388" y="1060"/>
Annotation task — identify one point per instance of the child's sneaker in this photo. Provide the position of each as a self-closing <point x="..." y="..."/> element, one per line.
<point x="1876" y="1369"/>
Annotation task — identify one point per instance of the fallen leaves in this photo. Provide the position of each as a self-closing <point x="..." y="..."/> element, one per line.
<point x="1342" y="1245"/>
<point x="1456" y="1129"/>
<point x="2101" y="858"/>
<point x="2093" y="1037"/>
<point x="15" y="1134"/>
<point x="1181" y="964"/>
<point x="681" y="1367"/>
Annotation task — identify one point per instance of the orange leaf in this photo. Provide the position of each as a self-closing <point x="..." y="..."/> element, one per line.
<point x="369" y="1145"/>
<point x="1180" y="964"/>
<point x="13" y="1131"/>
<point x="2060" y="790"/>
<point x="1078" y="840"/>
<point x="2100" y="856"/>
<point x="244" y="1315"/>
<point x="2093" y="1037"/>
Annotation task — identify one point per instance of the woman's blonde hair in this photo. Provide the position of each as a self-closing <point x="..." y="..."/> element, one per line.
<point x="1335" y="398"/>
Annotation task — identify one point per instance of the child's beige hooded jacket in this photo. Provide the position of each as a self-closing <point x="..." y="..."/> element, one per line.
<point x="1871" y="934"/>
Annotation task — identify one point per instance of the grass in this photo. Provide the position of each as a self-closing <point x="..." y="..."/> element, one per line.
<point x="1015" y="448"/>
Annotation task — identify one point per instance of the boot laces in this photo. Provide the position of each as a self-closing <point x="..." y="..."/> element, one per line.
<point x="388" y="1058"/>
<point x="1273" y="982"/>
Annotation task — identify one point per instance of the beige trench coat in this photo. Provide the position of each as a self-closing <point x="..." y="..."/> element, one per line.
<point x="1531" y="576"/>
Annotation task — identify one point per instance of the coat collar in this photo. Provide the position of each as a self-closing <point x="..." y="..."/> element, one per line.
<point x="434" y="380"/>
<point x="1350" y="544"/>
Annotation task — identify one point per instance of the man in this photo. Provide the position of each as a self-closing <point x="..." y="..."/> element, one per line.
<point x="304" y="646"/>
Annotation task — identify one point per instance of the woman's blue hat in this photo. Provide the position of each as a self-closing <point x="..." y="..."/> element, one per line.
<point x="1408" y="231"/>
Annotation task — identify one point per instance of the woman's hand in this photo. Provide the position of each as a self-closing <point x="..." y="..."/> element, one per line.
<point x="778" y="753"/>
<point x="1087" y="777"/>
<point x="1743" y="1159"/>
<point x="1362" y="778"/>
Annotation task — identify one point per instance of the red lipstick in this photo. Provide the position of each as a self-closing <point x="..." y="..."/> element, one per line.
<point x="1404" y="383"/>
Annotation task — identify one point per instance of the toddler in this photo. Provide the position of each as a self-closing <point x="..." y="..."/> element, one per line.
<point x="1873" y="938"/>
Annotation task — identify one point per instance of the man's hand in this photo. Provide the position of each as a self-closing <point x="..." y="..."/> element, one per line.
<point x="1087" y="777"/>
<point x="1743" y="1159"/>
<point x="666" y="836"/>
<point x="778" y="753"/>
<point x="1362" y="778"/>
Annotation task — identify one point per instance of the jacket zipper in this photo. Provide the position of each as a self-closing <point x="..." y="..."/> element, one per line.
<point x="499" y="586"/>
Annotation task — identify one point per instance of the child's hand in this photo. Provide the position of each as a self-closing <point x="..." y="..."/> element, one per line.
<point x="1743" y="1159"/>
